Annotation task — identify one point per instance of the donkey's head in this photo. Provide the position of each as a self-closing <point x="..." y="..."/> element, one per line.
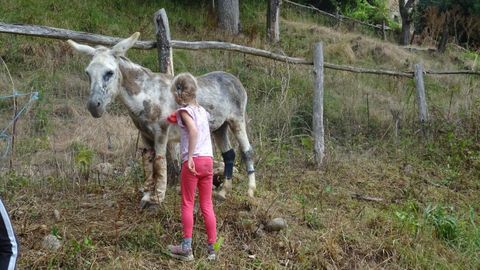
<point x="104" y="72"/>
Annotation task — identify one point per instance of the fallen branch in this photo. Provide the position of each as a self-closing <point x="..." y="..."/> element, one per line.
<point x="366" y="198"/>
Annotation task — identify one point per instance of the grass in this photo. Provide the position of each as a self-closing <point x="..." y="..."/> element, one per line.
<point x="428" y="214"/>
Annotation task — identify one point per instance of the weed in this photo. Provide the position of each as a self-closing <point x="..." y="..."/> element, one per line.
<point x="218" y="244"/>
<point x="446" y="225"/>
<point x="408" y="217"/>
<point x="13" y="181"/>
<point x="83" y="156"/>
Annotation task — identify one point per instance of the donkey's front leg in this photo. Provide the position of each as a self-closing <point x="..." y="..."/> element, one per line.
<point x="156" y="193"/>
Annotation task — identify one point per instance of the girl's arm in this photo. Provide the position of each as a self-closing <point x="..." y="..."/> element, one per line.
<point x="192" y="138"/>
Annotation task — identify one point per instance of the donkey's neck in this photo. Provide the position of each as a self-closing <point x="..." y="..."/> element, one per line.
<point x="145" y="92"/>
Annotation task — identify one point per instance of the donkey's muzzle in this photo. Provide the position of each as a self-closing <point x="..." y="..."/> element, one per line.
<point x="95" y="108"/>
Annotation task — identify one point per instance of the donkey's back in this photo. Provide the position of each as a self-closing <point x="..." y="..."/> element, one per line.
<point x="223" y="96"/>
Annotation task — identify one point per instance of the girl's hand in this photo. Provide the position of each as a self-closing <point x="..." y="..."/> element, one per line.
<point x="172" y="118"/>
<point x="191" y="166"/>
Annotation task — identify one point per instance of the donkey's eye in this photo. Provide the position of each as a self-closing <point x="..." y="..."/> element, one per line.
<point x="107" y="75"/>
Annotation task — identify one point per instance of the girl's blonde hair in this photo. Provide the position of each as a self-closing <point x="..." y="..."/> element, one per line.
<point x="184" y="86"/>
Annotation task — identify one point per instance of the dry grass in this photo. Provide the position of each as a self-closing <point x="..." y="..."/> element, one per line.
<point x="102" y="227"/>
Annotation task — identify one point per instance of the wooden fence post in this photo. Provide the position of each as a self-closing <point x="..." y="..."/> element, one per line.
<point x="383" y="31"/>
<point x="162" y="32"/>
<point x="318" y="129"/>
<point x="421" y="98"/>
<point x="273" y="23"/>
<point x="165" y="61"/>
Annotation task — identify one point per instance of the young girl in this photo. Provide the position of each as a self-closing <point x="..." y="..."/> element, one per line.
<point x="197" y="164"/>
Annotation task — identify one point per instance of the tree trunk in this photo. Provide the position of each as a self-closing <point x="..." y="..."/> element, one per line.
<point x="405" y="38"/>
<point x="228" y="14"/>
<point x="442" y="44"/>
<point x="406" y="15"/>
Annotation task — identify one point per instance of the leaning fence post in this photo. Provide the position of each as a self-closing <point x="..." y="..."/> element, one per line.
<point x="273" y="23"/>
<point x="162" y="32"/>
<point x="421" y="99"/>
<point x="318" y="129"/>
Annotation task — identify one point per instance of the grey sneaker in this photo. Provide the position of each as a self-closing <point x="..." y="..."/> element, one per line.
<point x="212" y="256"/>
<point x="178" y="252"/>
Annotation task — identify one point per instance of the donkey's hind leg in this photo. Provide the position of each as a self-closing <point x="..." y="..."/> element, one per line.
<point x="221" y="139"/>
<point x="238" y="127"/>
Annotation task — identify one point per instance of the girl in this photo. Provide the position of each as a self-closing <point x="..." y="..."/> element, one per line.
<point x="197" y="164"/>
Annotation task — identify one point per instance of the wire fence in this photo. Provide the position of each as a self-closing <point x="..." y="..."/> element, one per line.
<point x="12" y="107"/>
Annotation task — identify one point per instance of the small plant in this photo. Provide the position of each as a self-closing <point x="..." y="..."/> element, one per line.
<point x="55" y="232"/>
<point x="218" y="244"/>
<point x="446" y="225"/>
<point x="312" y="218"/>
<point x="409" y="217"/>
<point x="83" y="159"/>
<point x="41" y="123"/>
<point x="84" y="246"/>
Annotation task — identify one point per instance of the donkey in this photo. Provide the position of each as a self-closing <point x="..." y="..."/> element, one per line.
<point x="149" y="101"/>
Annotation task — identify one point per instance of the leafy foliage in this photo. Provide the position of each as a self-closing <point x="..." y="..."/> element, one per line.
<point x="445" y="224"/>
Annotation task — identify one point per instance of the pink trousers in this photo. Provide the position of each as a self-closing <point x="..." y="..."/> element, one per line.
<point x="189" y="182"/>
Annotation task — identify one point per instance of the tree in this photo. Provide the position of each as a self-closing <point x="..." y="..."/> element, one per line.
<point x="406" y="9"/>
<point x="458" y="19"/>
<point x="228" y="14"/>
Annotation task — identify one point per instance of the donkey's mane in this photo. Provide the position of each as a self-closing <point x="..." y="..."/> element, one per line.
<point x="129" y="64"/>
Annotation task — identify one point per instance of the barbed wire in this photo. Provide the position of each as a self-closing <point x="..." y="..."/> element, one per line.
<point x="4" y="134"/>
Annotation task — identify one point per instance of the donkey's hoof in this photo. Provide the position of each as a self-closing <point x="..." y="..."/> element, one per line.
<point x="152" y="207"/>
<point x="251" y="193"/>
<point x="144" y="204"/>
<point x="146" y="200"/>
<point x="220" y="196"/>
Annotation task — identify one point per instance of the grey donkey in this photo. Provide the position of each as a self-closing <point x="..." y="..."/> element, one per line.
<point x="149" y="101"/>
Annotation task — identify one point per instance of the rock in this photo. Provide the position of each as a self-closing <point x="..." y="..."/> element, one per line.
<point x="56" y="214"/>
<point x="51" y="242"/>
<point x="219" y="166"/>
<point x="276" y="224"/>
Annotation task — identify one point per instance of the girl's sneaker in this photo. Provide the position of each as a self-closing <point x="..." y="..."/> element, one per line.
<point x="212" y="256"/>
<point x="211" y="253"/>
<point x="178" y="252"/>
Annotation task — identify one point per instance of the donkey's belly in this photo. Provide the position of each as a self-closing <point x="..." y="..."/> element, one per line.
<point x="218" y="114"/>
<point x="216" y="121"/>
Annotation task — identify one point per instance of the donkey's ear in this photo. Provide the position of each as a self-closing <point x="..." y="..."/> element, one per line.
<point x="81" y="48"/>
<point x="122" y="47"/>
